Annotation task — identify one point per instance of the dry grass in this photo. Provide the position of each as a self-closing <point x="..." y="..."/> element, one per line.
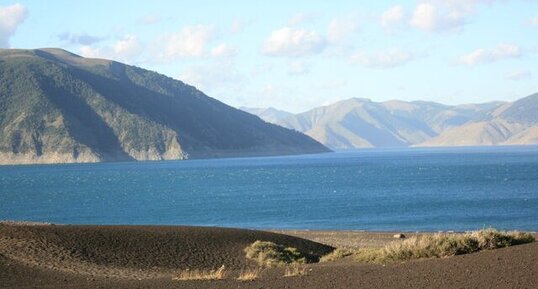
<point x="493" y="239"/>
<point x="295" y="270"/>
<point x="249" y="274"/>
<point x="270" y="254"/>
<point x="369" y="255"/>
<point x="337" y="254"/>
<point x="442" y="245"/>
<point x="217" y="274"/>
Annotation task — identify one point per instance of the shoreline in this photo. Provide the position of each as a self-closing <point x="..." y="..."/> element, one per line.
<point x="34" y="255"/>
<point x="346" y="239"/>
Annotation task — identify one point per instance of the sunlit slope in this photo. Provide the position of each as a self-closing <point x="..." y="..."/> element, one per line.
<point x="59" y="107"/>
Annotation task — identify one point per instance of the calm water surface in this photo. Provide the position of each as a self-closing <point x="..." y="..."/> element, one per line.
<point x="409" y="189"/>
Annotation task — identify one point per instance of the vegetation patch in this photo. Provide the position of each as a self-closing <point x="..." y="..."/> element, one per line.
<point x="337" y="254"/>
<point x="442" y="245"/>
<point x="493" y="239"/>
<point x="249" y="274"/>
<point x="187" y="275"/>
<point x="269" y="254"/>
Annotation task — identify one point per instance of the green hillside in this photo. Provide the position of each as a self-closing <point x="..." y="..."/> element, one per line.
<point x="59" y="107"/>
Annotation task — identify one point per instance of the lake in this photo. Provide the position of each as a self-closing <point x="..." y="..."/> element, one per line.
<point x="425" y="189"/>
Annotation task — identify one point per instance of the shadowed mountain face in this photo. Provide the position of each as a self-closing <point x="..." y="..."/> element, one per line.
<point x="59" y="107"/>
<point x="357" y="123"/>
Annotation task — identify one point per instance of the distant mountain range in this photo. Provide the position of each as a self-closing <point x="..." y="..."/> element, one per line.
<point x="360" y="123"/>
<point x="58" y="107"/>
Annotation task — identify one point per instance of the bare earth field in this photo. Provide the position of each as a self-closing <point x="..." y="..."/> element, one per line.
<point x="57" y="256"/>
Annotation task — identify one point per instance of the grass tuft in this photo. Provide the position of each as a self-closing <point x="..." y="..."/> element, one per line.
<point x="269" y="254"/>
<point x="368" y="255"/>
<point x="187" y="275"/>
<point x="336" y="254"/>
<point x="295" y="270"/>
<point x="442" y="245"/>
<point x="249" y="274"/>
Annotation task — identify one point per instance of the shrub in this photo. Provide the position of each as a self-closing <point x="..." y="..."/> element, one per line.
<point x="493" y="239"/>
<point x="217" y="274"/>
<point x="269" y="254"/>
<point x="522" y="238"/>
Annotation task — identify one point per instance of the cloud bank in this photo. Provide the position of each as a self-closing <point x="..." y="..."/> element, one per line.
<point x="10" y="19"/>
<point x="292" y="42"/>
<point x="485" y="55"/>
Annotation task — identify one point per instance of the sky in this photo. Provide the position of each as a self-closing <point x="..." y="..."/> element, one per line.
<point x="298" y="54"/>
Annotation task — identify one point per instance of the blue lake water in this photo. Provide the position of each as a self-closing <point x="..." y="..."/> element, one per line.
<point x="409" y="189"/>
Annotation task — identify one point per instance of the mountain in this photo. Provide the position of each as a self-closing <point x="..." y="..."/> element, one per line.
<point x="510" y="124"/>
<point x="358" y="123"/>
<point x="270" y="114"/>
<point x="58" y="107"/>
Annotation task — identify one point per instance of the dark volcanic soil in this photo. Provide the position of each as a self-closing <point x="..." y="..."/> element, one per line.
<point x="148" y="257"/>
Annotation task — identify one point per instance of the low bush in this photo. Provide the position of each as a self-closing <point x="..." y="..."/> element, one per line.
<point x="269" y="254"/>
<point x="493" y="239"/>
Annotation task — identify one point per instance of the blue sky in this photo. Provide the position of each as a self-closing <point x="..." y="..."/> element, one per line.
<point x="298" y="54"/>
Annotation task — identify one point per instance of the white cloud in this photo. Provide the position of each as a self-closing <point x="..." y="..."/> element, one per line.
<point x="215" y="78"/>
<point x="190" y="41"/>
<point x="425" y="16"/>
<point x="519" y="75"/>
<point x="534" y="21"/>
<point x="383" y="59"/>
<point x="293" y="43"/>
<point x="392" y="17"/>
<point x="126" y="49"/>
<point x="298" y="68"/>
<point x="10" y="18"/>
<point x="80" y="38"/>
<point x="445" y="15"/>
<point x="430" y="17"/>
<point x="340" y="28"/>
<point x="224" y="50"/>
<point x="483" y="55"/>
<point x="91" y="52"/>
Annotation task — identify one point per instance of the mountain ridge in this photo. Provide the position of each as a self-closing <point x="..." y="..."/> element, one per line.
<point x="358" y="123"/>
<point x="56" y="106"/>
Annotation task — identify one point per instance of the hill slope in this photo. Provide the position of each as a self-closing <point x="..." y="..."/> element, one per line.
<point x="59" y="107"/>
<point x="357" y="123"/>
<point x="510" y="124"/>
